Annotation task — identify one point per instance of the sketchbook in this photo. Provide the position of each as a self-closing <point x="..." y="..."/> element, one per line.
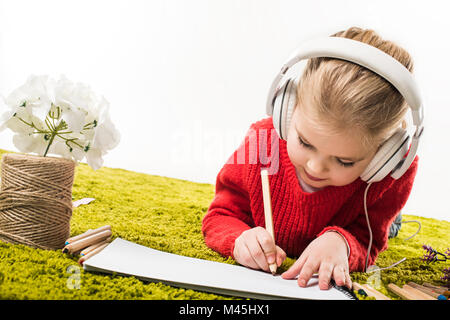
<point x="126" y="258"/>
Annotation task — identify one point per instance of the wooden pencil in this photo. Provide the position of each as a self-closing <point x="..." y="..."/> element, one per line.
<point x="86" y="242"/>
<point x="92" y="253"/>
<point x="419" y="295"/>
<point x="356" y="286"/>
<point x="372" y="292"/>
<point x="400" y="292"/>
<point x="94" y="246"/>
<point x="268" y="211"/>
<point x="428" y="291"/>
<point x="87" y="233"/>
<point x="84" y="234"/>
<point x="438" y="289"/>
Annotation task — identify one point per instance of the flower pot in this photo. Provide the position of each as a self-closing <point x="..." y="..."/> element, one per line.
<point x="36" y="200"/>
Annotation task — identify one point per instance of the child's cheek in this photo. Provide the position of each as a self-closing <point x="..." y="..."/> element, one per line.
<point x="344" y="177"/>
<point x="296" y="155"/>
<point x="341" y="180"/>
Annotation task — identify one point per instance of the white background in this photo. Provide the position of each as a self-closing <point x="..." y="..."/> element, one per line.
<point x="185" y="79"/>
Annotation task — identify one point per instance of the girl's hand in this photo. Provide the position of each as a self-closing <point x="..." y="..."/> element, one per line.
<point x="256" y="249"/>
<point x="326" y="255"/>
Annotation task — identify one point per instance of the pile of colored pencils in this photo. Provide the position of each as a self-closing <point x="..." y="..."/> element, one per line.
<point x="425" y="291"/>
<point x="89" y="243"/>
<point x="409" y="291"/>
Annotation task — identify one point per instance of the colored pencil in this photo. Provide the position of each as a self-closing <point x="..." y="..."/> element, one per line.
<point x="401" y="292"/>
<point x="92" y="253"/>
<point x="438" y="289"/>
<point x="94" y="246"/>
<point x="268" y="211"/>
<point x="358" y="288"/>
<point x="371" y="292"/>
<point x="428" y="291"/>
<point x="87" y="233"/>
<point x="419" y="295"/>
<point x="86" y="242"/>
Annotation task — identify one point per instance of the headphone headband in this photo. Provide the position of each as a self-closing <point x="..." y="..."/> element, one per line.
<point x="371" y="58"/>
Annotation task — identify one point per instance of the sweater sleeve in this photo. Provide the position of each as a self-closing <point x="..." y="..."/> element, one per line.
<point x="229" y="213"/>
<point x="386" y="201"/>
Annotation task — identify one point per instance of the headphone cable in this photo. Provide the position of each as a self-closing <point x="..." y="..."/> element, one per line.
<point x="371" y="237"/>
<point x="368" y="226"/>
<point x="415" y="221"/>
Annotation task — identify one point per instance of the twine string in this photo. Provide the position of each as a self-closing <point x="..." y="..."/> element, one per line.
<point x="36" y="200"/>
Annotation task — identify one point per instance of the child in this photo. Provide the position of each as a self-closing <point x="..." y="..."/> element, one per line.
<point x="342" y="115"/>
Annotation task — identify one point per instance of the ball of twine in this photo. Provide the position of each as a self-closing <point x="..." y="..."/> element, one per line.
<point x="36" y="200"/>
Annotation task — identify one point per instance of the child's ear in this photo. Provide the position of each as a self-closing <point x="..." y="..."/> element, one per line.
<point x="404" y="124"/>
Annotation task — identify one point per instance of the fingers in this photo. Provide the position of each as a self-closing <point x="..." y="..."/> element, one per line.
<point x="348" y="280"/>
<point x="305" y="269"/>
<point x="268" y="247"/>
<point x="342" y="277"/>
<point x="243" y="255"/>
<point x="325" y="272"/>
<point x="256" y="249"/>
<point x="309" y="268"/>
<point x="339" y="275"/>
<point x="281" y="256"/>
<point x="294" y="270"/>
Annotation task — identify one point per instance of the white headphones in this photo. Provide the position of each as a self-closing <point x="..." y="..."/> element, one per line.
<point x="391" y="157"/>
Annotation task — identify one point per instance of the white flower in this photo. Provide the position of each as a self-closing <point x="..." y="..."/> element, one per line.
<point x="5" y="114"/>
<point x="94" y="158"/>
<point x="106" y="136"/>
<point x="59" y="117"/>
<point x="75" y="101"/>
<point x="29" y="143"/>
<point x="35" y="96"/>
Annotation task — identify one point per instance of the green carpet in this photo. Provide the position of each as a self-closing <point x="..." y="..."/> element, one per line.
<point x="165" y="214"/>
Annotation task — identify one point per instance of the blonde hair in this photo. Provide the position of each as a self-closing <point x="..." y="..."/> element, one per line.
<point x="346" y="96"/>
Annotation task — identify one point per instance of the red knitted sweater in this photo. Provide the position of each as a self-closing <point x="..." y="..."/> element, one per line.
<point x="298" y="217"/>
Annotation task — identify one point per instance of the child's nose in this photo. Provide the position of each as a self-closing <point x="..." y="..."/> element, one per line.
<point x="315" y="166"/>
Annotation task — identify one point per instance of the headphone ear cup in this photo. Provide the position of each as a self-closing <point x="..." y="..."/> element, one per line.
<point x="284" y="104"/>
<point x="388" y="157"/>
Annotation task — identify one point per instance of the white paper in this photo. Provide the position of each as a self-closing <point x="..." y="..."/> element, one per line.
<point x="81" y="202"/>
<point x="128" y="258"/>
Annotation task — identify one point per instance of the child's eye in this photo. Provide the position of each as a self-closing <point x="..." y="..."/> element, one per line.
<point x="345" y="164"/>
<point x="340" y="162"/>
<point x="303" y="143"/>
